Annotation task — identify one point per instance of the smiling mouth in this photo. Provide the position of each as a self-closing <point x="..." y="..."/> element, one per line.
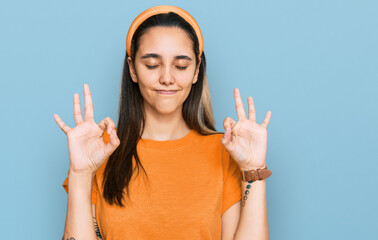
<point x="166" y="92"/>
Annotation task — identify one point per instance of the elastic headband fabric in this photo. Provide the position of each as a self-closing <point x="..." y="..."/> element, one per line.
<point x="163" y="9"/>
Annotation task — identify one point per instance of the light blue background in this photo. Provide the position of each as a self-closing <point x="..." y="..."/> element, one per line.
<point x="314" y="64"/>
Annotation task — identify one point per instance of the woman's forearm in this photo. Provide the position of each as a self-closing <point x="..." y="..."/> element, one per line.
<point x="79" y="221"/>
<point x="253" y="223"/>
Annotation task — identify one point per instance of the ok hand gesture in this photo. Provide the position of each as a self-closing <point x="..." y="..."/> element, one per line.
<point x="87" y="150"/>
<point x="246" y="140"/>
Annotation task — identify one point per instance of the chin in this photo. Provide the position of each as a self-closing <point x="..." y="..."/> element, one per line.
<point x="166" y="111"/>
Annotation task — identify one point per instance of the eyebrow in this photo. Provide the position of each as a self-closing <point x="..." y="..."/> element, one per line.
<point x="154" y="55"/>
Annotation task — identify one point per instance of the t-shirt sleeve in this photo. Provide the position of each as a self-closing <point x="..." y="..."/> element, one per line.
<point x="231" y="181"/>
<point x="94" y="188"/>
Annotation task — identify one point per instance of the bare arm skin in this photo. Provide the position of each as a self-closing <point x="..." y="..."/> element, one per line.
<point x="249" y="221"/>
<point x="79" y="220"/>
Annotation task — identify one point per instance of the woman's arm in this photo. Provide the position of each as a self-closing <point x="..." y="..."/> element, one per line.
<point x="249" y="221"/>
<point x="246" y="142"/>
<point x="253" y="222"/>
<point x="79" y="221"/>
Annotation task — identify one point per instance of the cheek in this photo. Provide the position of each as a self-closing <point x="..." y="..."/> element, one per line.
<point x="185" y="78"/>
<point x="145" y="90"/>
<point x="146" y="78"/>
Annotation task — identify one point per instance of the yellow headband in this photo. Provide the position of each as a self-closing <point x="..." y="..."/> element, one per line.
<point x="163" y="9"/>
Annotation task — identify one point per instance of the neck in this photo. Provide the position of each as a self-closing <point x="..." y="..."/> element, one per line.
<point x="162" y="127"/>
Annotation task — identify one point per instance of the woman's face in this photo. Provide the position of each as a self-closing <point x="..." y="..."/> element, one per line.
<point x="165" y="69"/>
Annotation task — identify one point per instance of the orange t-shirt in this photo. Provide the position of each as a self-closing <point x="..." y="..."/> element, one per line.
<point x="193" y="181"/>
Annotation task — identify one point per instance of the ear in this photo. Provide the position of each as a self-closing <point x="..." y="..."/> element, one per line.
<point x="195" y="78"/>
<point x="132" y="70"/>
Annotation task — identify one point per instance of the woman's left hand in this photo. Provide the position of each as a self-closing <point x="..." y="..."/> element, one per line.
<point x="246" y="140"/>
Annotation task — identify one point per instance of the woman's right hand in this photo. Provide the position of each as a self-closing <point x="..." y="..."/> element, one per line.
<point x="87" y="150"/>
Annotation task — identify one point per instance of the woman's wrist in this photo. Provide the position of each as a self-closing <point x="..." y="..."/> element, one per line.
<point x="248" y="167"/>
<point x="81" y="180"/>
<point x="83" y="174"/>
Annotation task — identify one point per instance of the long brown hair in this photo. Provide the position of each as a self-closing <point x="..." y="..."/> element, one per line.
<point x="197" y="112"/>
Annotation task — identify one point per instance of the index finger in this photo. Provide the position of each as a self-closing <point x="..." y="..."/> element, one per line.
<point x="239" y="105"/>
<point x="88" y="106"/>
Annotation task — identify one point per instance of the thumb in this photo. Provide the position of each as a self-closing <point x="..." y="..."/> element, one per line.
<point x="113" y="142"/>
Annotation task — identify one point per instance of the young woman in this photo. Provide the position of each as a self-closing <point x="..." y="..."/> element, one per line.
<point x="193" y="184"/>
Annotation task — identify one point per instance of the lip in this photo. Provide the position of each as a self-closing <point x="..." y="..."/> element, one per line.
<point x="166" y="92"/>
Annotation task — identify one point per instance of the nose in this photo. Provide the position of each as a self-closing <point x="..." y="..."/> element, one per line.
<point x="167" y="77"/>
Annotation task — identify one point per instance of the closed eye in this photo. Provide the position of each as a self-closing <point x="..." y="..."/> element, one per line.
<point x="155" y="66"/>
<point x="151" y="67"/>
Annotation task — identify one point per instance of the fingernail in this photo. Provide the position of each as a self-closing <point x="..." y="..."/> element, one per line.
<point x="109" y="130"/>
